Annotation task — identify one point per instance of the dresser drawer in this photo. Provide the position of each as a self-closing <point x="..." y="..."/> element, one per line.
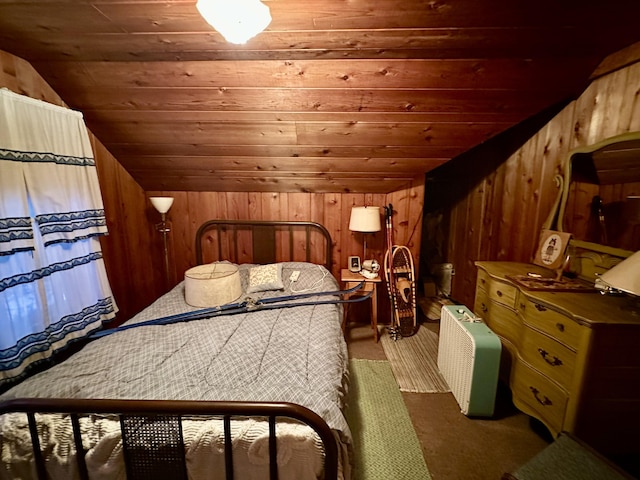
<point x="503" y="293"/>
<point x="551" y="322"/>
<point x="505" y="322"/>
<point x="548" y="356"/>
<point x="500" y="292"/>
<point x="500" y="319"/>
<point x="481" y="304"/>
<point x="538" y="396"/>
<point x="483" y="281"/>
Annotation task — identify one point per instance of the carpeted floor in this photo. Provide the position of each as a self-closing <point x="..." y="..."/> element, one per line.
<point x="385" y="443"/>
<point x="414" y="361"/>
<point x="458" y="447"/>
<point x="454" y="446"/>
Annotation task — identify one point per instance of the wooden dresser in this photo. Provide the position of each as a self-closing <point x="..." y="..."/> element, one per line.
<point x="572" y="360"/>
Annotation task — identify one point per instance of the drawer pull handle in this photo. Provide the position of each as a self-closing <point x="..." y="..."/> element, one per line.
<point x="483" y="281"/>
<point x="560" y="326"/>
<point x="540" y="308"/>
<point x="484" y="308"/>
<point x="553" y="361"/>
<point x="542" y="401"/>
<point x="499" y="293"/>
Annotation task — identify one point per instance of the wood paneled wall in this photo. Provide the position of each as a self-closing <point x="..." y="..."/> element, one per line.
<point x="497" y="215"/>
<point x="190" y="209"/>
<point x="130" y="232"/>
<point x="133" y="248"/>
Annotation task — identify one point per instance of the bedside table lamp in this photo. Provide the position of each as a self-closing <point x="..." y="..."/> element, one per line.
<point x="624" y="277"/>
<point x="365" y="220"/>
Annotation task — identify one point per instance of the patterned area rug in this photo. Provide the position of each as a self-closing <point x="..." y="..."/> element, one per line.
<point x="385" y="443"/>
<point x="414" y="361"/>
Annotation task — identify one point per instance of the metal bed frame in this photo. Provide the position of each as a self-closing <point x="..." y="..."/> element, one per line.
<point x="265" y="250"/>
<point x="144" y="421"/>
<point x="158" y="421"/>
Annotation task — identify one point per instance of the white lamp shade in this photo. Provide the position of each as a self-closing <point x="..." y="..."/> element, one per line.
<point x="365" y="219"/>
<point x="162" y="204"/>
<point x="625" y="276"/>
<point x="236" y="20"/>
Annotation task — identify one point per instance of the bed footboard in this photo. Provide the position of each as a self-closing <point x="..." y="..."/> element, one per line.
<point x="153" y="446"/>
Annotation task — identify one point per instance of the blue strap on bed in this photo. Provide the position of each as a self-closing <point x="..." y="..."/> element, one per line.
<point x="248" y="305"/>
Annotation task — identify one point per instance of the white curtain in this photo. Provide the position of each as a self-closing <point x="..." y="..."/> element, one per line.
<point x="53" y="283"/>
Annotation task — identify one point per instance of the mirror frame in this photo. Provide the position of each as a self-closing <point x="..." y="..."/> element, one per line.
<point x="588" y="259"/>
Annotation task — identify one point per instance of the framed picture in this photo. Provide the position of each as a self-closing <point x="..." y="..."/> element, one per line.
<point x="551" y="249"/>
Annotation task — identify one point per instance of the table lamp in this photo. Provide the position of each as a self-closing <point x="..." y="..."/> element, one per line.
<point x="623" y="278"/>
<point x="365" y="220"/>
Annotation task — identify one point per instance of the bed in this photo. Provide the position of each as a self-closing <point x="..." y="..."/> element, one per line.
<point x="254" y="395"/>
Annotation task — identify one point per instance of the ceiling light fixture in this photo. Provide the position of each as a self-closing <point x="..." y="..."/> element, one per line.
<point x="236" y="20"/>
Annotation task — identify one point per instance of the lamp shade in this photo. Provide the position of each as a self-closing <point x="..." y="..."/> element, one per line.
<point x="625" y="276"/>
<point x="236" y="20"/>
<point x="162" y="204"/>
<point x="365" y="219"/>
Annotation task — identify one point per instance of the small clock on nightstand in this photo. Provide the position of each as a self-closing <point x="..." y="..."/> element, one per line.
<point x="354" y="264"/>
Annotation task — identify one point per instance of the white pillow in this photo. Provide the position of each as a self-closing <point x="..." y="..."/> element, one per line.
<point x="265" y="277"/>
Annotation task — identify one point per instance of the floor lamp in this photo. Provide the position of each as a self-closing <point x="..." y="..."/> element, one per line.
<point x="162" y="205"/>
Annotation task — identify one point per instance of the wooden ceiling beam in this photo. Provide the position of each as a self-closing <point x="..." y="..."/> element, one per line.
<point x="324" y="134"/>
<point x="450" y="43"/>
<point x="179" y="150"/>
<point x="531" y="75"/>
<point x="309" y="99"/>
<point x="194" y="165"/>
<point x="256" y="183"/>
<point x="225" y="116"/>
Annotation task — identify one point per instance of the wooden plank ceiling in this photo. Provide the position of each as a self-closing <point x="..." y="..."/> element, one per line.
<point x="335" y="96"/>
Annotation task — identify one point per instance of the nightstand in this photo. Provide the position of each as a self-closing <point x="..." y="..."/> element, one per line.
<point x="350" y="280"/>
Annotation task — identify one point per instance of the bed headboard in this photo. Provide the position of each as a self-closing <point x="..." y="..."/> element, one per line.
<point x="263" y="241"/>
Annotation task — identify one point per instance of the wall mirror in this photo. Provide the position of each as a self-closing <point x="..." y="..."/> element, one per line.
<point x="600" y="201"/>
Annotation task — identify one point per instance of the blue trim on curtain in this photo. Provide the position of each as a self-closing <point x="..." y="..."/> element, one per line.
<point x="45" y="157"/>
<point x="46" y="271"/>
<point x="74" y="239"/>
<point x="15" y="228"/>
<point x="51" y="223"/>
<point x="16" y="250"/>
<point x="38" y="342"/>
<point x="42" y="341"/>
